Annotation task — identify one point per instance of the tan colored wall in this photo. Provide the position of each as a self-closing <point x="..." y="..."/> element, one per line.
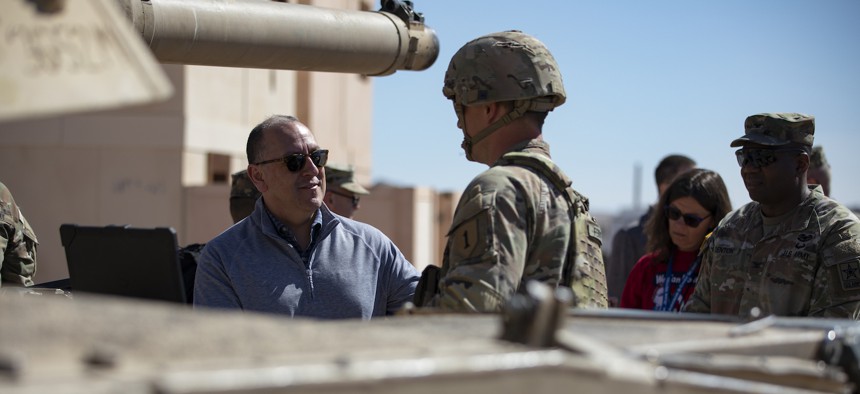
<point x="99" y="168"/>
<point x="224" y="104"/>
<point x="410" y="217"/>
<point x="446" y="203"/>
<point x="206" y="212"/>
<point x="338" y="111"/>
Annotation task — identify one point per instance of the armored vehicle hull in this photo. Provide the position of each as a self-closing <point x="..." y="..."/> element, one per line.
<point x="98" y="344"/>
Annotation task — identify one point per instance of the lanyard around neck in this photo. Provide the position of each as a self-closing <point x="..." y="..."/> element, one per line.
<point x="666" y="305"/>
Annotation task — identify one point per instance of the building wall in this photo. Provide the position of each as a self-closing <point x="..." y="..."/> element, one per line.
<point x="411" y="218"/>
<point x="222" y="106"/>
<point x="99" y="168"/>
<point x="206" y="212"/>
<point x="446" y="205"/>
<point x="338" y="109"/>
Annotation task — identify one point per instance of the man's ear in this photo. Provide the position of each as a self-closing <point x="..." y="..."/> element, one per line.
<point x="256" y="176"/>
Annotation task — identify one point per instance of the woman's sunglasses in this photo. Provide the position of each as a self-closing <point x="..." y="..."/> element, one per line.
<point x="690" y="220"/>
<point x="296" y="161"/>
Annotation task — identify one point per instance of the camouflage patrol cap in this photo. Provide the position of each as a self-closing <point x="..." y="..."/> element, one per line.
<point x="505" y="66"/>
<point x="817" y="159"/>
<point x="778" y="129"/>
<point x="242" y="187"/>
<point x="343" y="177"/>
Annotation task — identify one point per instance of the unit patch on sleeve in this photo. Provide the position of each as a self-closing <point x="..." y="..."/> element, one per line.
<point x="849" y="274"/>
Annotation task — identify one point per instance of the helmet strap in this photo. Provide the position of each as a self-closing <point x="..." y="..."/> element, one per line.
<point x="467" y="146"/>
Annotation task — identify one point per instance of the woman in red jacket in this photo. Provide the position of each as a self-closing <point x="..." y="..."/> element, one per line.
<point x="691" y="207"/>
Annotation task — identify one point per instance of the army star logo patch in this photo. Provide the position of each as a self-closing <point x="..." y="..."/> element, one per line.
<point x="849" y="275"/>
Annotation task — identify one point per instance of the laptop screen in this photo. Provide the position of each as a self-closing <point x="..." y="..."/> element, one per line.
<point x="123" y="261"/>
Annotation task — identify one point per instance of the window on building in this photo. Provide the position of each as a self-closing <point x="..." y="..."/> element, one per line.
<point x="218" y="168"/>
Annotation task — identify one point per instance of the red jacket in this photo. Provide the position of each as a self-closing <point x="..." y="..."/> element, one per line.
<point x="644" y="286"/>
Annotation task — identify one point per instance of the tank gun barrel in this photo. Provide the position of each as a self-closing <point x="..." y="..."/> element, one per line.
<point x="275" y="35"/>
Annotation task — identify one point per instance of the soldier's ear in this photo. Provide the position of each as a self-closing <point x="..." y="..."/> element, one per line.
<point x="494" y="111"/>
<point x="802" y="164"/>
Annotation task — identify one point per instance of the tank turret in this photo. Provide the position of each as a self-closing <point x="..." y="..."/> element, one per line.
<point x="276" y="35"/>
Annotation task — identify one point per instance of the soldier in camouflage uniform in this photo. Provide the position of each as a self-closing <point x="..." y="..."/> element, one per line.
<point x="17" y="243"/>
<point x="519" y="220"/>
<point x="243" y="196"/>
<point x="342" y="192"/>
<point x="819" y="170"/>
<point x="790" y="252"/>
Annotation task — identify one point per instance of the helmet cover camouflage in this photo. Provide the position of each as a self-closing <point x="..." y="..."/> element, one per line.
<point x="505" y="66"/>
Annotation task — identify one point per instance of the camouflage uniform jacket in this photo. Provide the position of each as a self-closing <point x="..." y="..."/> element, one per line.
<point x="808" y="266"/>
<point x="512" y="225"/>
<point x="17" y="242"/>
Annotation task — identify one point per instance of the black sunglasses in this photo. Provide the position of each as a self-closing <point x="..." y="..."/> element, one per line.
<point x="355" y="199"/>
<point x="296" y="161"/>
<point x="760" y="157"/>
<point x="690" y="220"/>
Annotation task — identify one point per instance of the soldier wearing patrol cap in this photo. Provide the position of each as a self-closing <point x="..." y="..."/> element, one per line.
<point x="243" y="196"/>
<point x="342" y="192"/>
<point x="519" y="220"/>
<point x="792" y="251"/>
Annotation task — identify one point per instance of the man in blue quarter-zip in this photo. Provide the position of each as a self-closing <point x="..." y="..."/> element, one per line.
<point x="292" y="255"/>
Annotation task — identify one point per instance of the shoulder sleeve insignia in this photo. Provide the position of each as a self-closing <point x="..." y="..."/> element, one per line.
<point x="849" y="275"/>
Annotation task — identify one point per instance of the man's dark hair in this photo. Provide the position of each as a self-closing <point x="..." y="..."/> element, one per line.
<point x="253" y="148"/>
<point x="671" y="166"/>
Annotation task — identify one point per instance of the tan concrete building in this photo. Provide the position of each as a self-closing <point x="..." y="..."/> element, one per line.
<point x="168" y="164"/>
<point x="415" y="218"/>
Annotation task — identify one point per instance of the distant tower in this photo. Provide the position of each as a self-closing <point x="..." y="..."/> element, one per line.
<point x="637" y="187"/>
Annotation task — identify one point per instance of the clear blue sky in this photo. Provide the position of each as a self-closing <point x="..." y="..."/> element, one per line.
<point x="644" y="79"/>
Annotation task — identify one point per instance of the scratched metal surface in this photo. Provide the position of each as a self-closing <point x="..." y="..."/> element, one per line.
<point x="106" y="344"/>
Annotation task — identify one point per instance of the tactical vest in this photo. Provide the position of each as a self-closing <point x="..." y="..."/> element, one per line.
<point x="583" y="269"/>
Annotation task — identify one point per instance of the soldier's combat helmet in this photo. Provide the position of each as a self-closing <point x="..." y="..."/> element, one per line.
<point x="505" y="66"/>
